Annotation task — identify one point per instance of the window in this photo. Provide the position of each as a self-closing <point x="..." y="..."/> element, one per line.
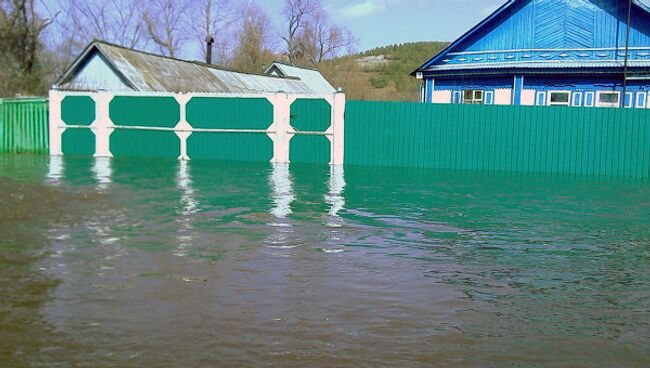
<point x="473" y="97"/>
<point x="607" y="99"/>
<point x="540" y="100"/>
<point x="559" y="98"/>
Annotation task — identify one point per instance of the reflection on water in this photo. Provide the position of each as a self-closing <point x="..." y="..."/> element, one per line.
<point x="136" y="263"/>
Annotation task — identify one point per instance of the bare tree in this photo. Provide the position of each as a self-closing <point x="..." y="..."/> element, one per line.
<point x="253" y="51"/>
<point x="216" y="18"/>
<point x="165" y="21"/>
<point x="297" y="14"/>
<point x="116" y="21"/>
<point x="322" y="40"/>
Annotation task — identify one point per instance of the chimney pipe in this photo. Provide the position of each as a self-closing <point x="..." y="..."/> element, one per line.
<point x="208" y="52"/>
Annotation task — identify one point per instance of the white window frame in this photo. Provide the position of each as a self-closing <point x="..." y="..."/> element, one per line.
<point x="593" y="99"/>
<point x="645" y="100"/>
<point x="550" y="94"/>
<point x="608" y="104"/>
<point x="478" y="97"/>
<point x="540" y="95"/>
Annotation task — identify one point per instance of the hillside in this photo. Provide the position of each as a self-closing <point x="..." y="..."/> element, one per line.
<point x="383" y="73"/>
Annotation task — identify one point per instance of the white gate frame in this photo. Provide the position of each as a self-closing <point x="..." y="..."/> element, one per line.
<point x="280" y="131"/>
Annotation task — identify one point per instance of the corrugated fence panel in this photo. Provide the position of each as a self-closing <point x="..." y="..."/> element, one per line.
<point x="251" y="147"/>
<point x="229" y="113"/>
<point x="24" y="126"/>
<point x="583" y="141"/>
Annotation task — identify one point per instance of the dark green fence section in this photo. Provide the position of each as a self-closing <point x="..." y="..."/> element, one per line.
<point x="248" y="147"/>
<point x="229" y="113"/>
<point x="24" y="126"/>
<point x="157" y="112"/>
<point x="310" y="149"/>
<point x="144" y="143"/>
<point x="310" y="115"/>
<point x="586" y="141"/>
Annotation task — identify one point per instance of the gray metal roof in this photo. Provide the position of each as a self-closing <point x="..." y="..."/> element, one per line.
<point x="311" y="77"/>
<point x="146" y="72"/>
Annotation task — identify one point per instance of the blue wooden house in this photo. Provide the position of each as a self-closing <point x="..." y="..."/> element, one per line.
<point x="547" y="52"/>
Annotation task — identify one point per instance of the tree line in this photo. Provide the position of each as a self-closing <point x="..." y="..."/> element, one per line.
<point x="38" y="39"/>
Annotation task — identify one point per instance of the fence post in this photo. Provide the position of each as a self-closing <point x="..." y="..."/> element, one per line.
<point x="102" y="126"/>
<point x="57" y="126"/>
<point x="338" y="129"/>
<point x="281" y="126"/>
<point x="183" y="128"/>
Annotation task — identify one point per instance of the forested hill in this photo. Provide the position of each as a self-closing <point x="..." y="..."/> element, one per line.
<point x="381" y="73"/>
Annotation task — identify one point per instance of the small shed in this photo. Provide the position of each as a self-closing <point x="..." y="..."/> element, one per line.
<point x="104" y="66"/>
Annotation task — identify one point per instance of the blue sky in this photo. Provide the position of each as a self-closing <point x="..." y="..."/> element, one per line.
<point x="383" y="22"/>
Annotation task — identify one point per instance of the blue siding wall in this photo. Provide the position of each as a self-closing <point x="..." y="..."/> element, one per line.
<point x="561" y="24"/>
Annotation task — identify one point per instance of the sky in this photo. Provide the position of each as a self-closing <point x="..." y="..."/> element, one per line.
<point x="383" y="22"/>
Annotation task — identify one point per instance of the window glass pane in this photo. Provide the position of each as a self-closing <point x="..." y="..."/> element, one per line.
<point x="478" y="95"/>
<point x="608" y="98"/>
<point x="560" y="97"/>
<point x="468" y="94"/>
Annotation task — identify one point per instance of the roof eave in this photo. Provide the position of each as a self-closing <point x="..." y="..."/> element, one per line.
<point x="75" y="65"/>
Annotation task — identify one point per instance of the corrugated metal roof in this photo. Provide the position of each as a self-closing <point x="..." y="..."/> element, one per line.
<point x="146" y="72"/>
<point x="311" y="77"/>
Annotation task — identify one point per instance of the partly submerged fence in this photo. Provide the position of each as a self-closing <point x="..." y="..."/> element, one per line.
<point x="275" y="127"/>
<point x="583" y="141"/>
<point x="587" y="141"/>
<point x="24" y="125"/>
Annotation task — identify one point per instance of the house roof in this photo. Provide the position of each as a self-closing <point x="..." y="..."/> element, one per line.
<point x="642" y="4"/>
<point x="312" y="77"/>
<point x="147" y="72"/>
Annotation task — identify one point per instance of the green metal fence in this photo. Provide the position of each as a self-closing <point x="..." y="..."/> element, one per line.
<point x="24" y="126"/>
<point x="585" y="141"/>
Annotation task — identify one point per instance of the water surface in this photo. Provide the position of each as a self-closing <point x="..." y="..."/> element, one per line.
<point x="136" y="263"/>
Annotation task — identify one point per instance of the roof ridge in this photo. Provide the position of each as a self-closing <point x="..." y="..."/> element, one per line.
<point x="195" y="62"/>
<point x="296" y="66"/>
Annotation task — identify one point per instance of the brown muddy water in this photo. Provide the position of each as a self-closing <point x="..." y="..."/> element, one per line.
<point x="153" y="263"/>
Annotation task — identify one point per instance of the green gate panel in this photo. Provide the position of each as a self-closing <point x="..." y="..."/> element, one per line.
<point x="229" y="113"/>
<point x="78" y="141"/>
<point x="144" y="143"/>
<point x="158" y="112"/>
<point x="310" y="115"/>
<point x="78" y="110"/>
<point x="313" y="149"/>
<point x="250" y="147"/>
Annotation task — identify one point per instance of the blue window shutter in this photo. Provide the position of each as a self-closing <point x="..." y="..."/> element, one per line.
<point x="489" y="97"/>
<point x="641" y="100"/>
<point x="589" y="99"/>
<point x="628" y="99"/>
<point x="577" y="99"/>
<point x="457" y="97"/>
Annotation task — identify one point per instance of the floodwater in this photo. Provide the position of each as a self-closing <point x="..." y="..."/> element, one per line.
<point x="153" y="263"/>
